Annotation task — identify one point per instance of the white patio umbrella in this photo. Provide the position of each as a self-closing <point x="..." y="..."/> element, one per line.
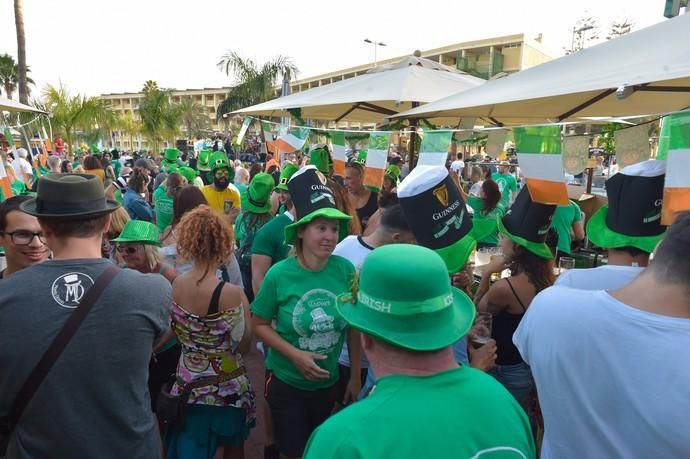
<point x="368" y="98"/>
<point x="9" y="105"/>
<point x="644" y="72"/>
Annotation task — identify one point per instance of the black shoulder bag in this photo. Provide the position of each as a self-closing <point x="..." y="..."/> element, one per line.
<point x="9" y="423"/>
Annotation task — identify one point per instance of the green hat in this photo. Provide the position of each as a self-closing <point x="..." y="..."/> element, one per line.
<point x="171" y="155"/>
<point x="204" y="159"/>
<point x="633" y="214"/>
<point x="312" y="199"/>
<point x="169" y="167"/>
<point x="437" y="214"/>
<point x="219" y="160"/>
<point x="362" y="157"/>
<point x="93" y="148"/>
<point x="288" y="171"/>
<point x="139" y="231"/>
<point x="404" y="298"/>
<point x="319" y="158"/>
<point x="188" y="173"/>
<point x="393" y="172"/>
<point x="527" y="223"/>
<point x="69" y="196"/>
<point x="259" y="194"/>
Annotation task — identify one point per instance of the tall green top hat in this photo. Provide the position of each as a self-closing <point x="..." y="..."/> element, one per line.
<point x="319" y="157"/>
<point x="404" y="298"/>
<point x="139" y="231"/>
<point x="527" y="224"/>
<point x="437" y="214"/>
<point x="203" y="160"/>
<point x="288" y="171"/>
<point x="171" y="155"/>
<point x="259" y="194"/>
<point x="633" y="214"/>
<point x="69" y="197"/>
<point x="312" y="199"/>
<point x="219" y="160"/>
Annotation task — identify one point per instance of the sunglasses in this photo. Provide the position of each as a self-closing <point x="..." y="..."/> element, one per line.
<point x="128" y="249"/>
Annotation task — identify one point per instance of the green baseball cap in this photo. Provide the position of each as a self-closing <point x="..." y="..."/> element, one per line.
<point x="404" y="298"/>
<point x="259" y="194"/>
<point x="288" y="171"/>
<point x="139" y="231"/>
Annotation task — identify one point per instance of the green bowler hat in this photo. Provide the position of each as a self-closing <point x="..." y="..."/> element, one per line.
<point x="527" y="223"/>
<point x="313" y="198"/>
<point x="286" y="173"/>
<point x="259" y="194"/>
<point x="69" y="197"/>
<point x="632" y="217"/>
<point x="404" y="298"/>
<point x="139" y="231"/>
<point x="437" y="214"/>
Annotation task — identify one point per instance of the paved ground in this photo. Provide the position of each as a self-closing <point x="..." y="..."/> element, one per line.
<point x="254" y="446"/>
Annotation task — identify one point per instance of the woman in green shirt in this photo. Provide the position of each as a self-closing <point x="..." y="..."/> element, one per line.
<point x="487" y="208"/>
<point x="299" y="294"/>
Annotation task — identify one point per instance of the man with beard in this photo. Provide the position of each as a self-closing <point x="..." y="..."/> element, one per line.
<point x="222" y="196"/>
<point x="21" y="236"/>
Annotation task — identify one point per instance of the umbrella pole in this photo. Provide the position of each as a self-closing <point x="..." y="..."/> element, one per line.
<point x="414" y="122"/>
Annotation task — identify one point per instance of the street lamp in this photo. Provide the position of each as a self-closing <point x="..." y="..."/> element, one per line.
<point x="376" y="44"/>
<point x="577" y="31"/>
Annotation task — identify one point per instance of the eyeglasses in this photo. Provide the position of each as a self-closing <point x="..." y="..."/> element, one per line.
<point x="24" y="237"/>
<point x="128" y="249"/>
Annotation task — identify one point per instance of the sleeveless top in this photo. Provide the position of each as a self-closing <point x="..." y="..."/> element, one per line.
<point x="209" y="348"/>
<point x="366" y="211"/>
<point x="504" y="326"/>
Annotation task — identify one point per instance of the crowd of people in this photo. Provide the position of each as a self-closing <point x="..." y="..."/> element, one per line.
<point x="135" y="288"/>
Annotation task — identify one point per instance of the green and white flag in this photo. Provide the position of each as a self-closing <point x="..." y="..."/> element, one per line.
<point x="674" y="147"/>
<point x="339" y="152"/>
<point x="243" y="130"/>
<point x="434" y="148"/>
<point x="377" y="156"/>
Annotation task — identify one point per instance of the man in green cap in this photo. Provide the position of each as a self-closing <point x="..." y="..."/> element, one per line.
<point x="222" y="196"/>
<point x="424" y="404"/>
<point x="203" y="165"/>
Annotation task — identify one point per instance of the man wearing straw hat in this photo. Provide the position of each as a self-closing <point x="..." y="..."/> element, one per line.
<point x="424" y="404"/>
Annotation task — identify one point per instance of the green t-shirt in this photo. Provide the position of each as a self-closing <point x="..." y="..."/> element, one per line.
<point x="302" y="302"/>
<point x="241" y="228"/>
<point x="270" y="239"/>
<point x="507" y="184"/>
<point x="477" y="204"/>
<point x="18" y="187"/>
<point x="116" y="167"/>
<point x="563" y="219"/>
<point x="163" y="205"/>
<point x="459" y="413"/>
<point x="118" y="197"/>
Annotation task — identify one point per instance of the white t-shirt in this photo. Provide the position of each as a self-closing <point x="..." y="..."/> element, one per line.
<point x="354" y="249"/>
<point x="458" y="165"/>
<point x="613" y="380"/>
<point x="607" y="277"/>
<point x="21" y="164"/>
<point x="476" y="188"/>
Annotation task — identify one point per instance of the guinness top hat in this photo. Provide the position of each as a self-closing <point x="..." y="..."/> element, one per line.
<point x="527" y="223"/>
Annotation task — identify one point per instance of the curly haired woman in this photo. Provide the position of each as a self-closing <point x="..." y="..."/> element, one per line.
<point x="212" y="324"/>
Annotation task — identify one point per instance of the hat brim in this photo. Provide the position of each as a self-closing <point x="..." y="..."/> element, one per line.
<point x="326" y="212"/>
<point x="455" y="256"/>
<point x="127" y="240"/>
<point x="248" y="206"/>
<point x="421" y="332"/>
<point x="540" y="249"/>
<point x="281" y="187"/>
<point x="29" y="207"/>
<point x="603" y="236"/>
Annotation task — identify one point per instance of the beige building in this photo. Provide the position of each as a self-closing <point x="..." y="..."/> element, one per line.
<point x="483" y="58"/>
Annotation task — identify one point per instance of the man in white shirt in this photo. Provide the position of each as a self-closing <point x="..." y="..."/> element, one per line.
<point x="22" y="167"/>
<point x="611" y="366"/>
<point x="629" y="227"/>
<point x="458" y="165"/>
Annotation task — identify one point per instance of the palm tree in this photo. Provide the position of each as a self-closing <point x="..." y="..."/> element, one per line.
<point x="130" y="126"/>
<point x="255" y="84"/>
<point x="159" y="118"/>
<point x="193" y="117"/>
<point x="71" y="113"/>
<point x="149" y="85"/>
<point x="21" y="52"/>
<point x="9" y="75"/>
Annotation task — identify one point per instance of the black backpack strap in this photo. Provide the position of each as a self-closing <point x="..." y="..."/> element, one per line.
<point x="56" y="347"/>
<point x="213" y="305"/>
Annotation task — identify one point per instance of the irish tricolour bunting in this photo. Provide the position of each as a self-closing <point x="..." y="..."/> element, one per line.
<point x="339" y="152"/>
<point x="5" y="181"/>
<point x="434" y="148"/>
<point x="291" y="141"/>
<point x="243" y="130"/>
<point x="377" y="155"/>
<point x="539" y="157"/>
<point x="674" y="147"/>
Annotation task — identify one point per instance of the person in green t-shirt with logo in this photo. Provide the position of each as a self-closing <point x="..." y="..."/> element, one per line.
<point x="163" y="199"/>
<point x="506" y="183"/>
<point x="299" y="295"/>
<point x="567" y="221"/>
<point x="487" y="208"/>
<point x="424" y="404"/>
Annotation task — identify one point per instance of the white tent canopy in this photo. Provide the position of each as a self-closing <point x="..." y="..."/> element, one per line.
<point x="644" y="72"/>
<point x="9" y="105"/>
<point x="368" y="98"/>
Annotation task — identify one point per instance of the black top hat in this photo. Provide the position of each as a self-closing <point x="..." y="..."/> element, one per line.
<point x="69" y="196"/>
<point x="527" y="223"/>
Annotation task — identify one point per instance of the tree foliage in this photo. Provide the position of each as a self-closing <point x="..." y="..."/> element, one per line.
<point x="253" y="83"/>
<point x="584" y="32"/>
<point x="193" y="116"/>
<point x="619" y="28"/>
<point x="160" y="119"/>
<point x="9" y="75"/>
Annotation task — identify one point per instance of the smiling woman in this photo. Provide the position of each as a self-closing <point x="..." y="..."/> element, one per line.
<point x="21" y="236"/>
